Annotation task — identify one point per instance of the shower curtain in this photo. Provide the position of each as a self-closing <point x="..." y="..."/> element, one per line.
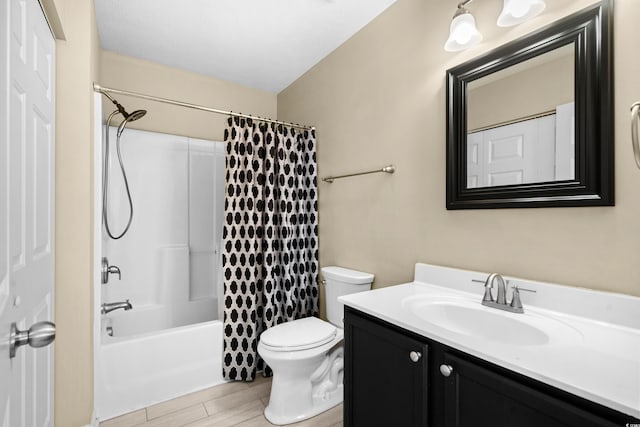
<point x="270" y="236"/>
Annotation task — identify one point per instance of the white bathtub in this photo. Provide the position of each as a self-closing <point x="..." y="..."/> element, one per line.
<point x="137" y="371"/>
<point x="170" y="343"/>
<point x="143" y="319"/>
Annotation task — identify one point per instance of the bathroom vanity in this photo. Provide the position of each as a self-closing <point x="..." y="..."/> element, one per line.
<point x="427" y="353"/>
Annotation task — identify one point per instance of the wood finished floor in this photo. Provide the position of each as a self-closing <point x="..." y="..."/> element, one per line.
<point x="232" y="404"/>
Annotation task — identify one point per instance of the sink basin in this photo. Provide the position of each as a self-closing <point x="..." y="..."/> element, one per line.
<point x="465" y="317"/>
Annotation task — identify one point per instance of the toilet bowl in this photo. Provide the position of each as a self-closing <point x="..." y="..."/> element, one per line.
<point x="306" y="355"/>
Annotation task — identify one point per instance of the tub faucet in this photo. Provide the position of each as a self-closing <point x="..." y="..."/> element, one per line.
<point x="110" y="306"/>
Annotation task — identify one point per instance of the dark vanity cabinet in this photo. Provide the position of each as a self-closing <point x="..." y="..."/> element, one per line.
<point x="480" y="397"/>
<point x="394" y="377"/>
<point x="388" y="376"/>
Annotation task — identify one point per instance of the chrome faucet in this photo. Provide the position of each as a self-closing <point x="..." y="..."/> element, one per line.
<point x="110" y="306"/>
<point x="514" y="306"/>
<point x="502" y="289"/>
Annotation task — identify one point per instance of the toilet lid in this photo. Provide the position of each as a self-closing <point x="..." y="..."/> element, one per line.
<point x="299" y="334"/>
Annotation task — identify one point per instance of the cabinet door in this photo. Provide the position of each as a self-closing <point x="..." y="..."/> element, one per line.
<point x="478" y="397"/>
<point x="385" y="384"/>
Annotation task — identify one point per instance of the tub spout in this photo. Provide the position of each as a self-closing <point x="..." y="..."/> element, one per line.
<point x="110" y="306"/>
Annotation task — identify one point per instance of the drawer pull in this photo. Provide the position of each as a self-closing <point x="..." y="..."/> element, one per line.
<point x="446" y="370"/>
<point x="415" y="356"/>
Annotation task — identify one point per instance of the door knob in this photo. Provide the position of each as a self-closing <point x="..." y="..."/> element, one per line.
<point x="446" y="370"/>
<point x="40" y="334"/>
<point x="415" y="356"/>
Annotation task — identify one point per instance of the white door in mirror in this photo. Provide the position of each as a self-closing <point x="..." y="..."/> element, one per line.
<point x="518" y="153"/>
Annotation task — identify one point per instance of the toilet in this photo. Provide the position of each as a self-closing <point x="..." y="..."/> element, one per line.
<point x="306" y="355"/>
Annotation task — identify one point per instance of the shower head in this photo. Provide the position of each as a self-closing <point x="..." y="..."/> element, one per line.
<point x="138" y="114"/>
<point x="128" y="117"/>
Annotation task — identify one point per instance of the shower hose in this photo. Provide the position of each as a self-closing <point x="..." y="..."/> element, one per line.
<point x="105" y="180"/>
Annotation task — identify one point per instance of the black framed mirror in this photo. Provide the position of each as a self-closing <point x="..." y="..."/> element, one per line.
<point x="530" y="124"/>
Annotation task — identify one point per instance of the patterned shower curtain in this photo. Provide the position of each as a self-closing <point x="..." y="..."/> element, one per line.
<point x="270" y="236"/>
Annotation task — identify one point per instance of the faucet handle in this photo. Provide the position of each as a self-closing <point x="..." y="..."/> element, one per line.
<point x="114" y="269"/>
<point x="518" y="288"/>
<point x="515" y="303"/>
<point x="107" y="269"/>
<point x="488" y="297"/>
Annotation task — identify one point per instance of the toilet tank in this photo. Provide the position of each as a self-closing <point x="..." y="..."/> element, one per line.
<point x="342" y="281"/>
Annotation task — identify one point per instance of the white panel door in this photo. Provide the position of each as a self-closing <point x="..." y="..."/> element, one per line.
<point x="518" y="153"/>
<point x="509" y="153"/>
<point x="26" y="211"/>
<point x="475" y="160"/>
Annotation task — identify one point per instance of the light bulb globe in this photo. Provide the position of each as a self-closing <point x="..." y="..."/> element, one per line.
<point x="516" y="12"/>
<point x="462" y="33"/>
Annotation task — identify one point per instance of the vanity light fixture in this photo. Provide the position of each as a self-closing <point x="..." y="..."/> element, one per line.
<point x="516" y="12"/>
<point x="463" y="32"/>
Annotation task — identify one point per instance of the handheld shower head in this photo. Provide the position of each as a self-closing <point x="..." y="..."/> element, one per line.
<point x="135" y="115"/>
<point x="138" y="114"/>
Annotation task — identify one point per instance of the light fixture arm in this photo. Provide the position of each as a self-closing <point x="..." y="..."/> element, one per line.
<point x="461" y="8"/>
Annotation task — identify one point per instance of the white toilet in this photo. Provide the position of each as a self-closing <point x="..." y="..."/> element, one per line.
<point x="306" y="355"/>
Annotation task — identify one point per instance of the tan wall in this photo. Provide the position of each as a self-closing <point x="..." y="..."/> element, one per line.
<point x="136" y="75"/>
<point x="531" y="91"/>
<point x="380" y="99"/>
<point x="76" y="69"/>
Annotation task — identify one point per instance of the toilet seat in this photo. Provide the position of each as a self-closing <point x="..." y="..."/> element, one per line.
<point x="301" y="334"/>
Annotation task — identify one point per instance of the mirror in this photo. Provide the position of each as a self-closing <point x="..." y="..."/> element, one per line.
<point x="520" y="121"/>
<point x="530" y="123"/>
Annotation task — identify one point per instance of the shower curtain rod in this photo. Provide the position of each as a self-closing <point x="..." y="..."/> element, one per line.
<point x="104" y="90"/>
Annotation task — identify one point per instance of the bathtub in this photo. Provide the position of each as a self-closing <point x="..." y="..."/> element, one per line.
<point x="140" y="370"/>
<point x="170" y="343"/>
<point x="143" y="319"/>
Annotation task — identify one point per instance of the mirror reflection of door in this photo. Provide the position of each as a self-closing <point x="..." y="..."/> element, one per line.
<point x="520" y="122"/>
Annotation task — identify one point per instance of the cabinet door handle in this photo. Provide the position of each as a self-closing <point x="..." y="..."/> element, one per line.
<point x="446" y="370"/>
<point x="415" y="356"/>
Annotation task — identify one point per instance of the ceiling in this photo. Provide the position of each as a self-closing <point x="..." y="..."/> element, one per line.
<point x="264" y="44"/>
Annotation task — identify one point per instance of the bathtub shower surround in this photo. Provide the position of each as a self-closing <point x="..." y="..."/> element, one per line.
<point x="170" y="343"/>
<point x="169" y="260"/>
<point x="270" y="236"/>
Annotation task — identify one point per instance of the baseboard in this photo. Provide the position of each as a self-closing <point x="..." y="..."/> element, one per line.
<point x="94" y="421"/>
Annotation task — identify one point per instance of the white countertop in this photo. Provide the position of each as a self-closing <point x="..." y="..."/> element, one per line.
<point x="599" y="362"/>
